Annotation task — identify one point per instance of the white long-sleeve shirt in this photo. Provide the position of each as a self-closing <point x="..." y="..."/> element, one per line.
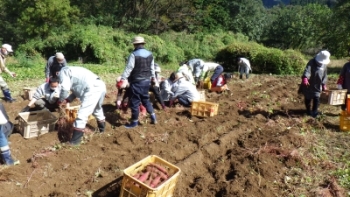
<point x="244" y="64"/>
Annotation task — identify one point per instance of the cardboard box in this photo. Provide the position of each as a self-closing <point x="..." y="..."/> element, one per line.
<point x="36" y="123"/>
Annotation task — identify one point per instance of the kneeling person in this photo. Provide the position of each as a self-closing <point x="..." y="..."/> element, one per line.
<point x="220" y="83"/>
<point x="46" y="96"/>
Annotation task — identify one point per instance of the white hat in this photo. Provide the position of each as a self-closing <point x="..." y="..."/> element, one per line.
<point x="59" y="56"/>
<point x="323" y="57"/>
<point x="139" y="40"/>
<point x="7" y="47"/>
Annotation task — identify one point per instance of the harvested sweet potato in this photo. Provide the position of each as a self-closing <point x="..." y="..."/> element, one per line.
<point x="144" y="176"/>
<point x="155" y="182"/>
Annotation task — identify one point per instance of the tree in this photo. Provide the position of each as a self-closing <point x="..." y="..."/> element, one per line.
<point x="28" y="19"/>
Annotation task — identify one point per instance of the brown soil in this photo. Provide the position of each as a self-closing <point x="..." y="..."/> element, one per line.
<point x="256" y="146"/>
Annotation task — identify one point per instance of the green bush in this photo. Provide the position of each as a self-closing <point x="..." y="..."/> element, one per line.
<point x="262" y="59"/>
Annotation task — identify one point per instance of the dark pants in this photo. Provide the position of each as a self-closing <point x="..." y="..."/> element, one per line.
<point x="156" y="91"/>
<point x="217" y="72"/>
<point x="316" y="103"/>
<point x="139" y="94"/>
<point x="183" y="101"/>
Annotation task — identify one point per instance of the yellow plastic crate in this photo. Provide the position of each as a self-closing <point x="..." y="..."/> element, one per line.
<point x="33" y="124"/>
<point x="335" y="97"/>
<point x="204" y="109"/>
<point x="132" y="187"/>
<point x="344" y="121"/>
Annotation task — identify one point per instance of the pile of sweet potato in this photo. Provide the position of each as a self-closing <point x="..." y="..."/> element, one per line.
<point x="153" y="175"/>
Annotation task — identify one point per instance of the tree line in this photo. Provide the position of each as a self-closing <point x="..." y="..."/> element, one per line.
<point x="301" y="25"/>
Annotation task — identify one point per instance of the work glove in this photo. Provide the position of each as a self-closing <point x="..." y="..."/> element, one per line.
<point x="121" y="84"/>
<point x="47" y="80"/>
<point x="324" y="87"/>
<point x="339" y="86"/>
<point x="26" y="109"/>
<point x="305" y="81"/>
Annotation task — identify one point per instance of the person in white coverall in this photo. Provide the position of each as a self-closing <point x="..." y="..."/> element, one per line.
<point x="90" y="89"/>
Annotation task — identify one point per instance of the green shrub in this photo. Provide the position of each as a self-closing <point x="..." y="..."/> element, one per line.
<point x="262" y="59"/>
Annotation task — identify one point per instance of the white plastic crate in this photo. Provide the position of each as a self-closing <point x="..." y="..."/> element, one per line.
<point x="35" y="123"/>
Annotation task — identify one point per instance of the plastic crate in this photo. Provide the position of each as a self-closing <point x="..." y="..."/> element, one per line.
<point x="28" y="93"/>
<point x="201" y="95"/>
<point x="204" y="109"/>
<point x="33" y="124"/>
<point x="72" y="113"/>
<point x="132" y="187"/>
<point x="344" y="121"/>
<point x="335" y="97"/>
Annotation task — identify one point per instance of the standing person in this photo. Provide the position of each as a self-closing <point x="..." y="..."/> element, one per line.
<point x="54" y="65"/>
<point x="5" y="50"/>
<point x="90" y="89"/>
<point x="5" y="130"/>
<point x="343" y="81"/>
<point x="138" y="71"/>
<point x="45" y="96"/>
<point x="244" y="67"/>
<point x="314" y="81"/>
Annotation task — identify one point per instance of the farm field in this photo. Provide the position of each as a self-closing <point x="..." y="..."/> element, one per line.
<point x="261" y="143"/>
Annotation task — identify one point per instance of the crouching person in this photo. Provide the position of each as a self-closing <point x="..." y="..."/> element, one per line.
<point x="220" y="84"/>
<point x="46" y="96"/>
<point x="5" y="130"/>
<point x="90" y="89"/>
<point x="184" y="92"/>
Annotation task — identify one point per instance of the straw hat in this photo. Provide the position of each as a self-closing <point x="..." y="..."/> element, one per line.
<point x="323" y="57"/>
<point x="139" y="40"/>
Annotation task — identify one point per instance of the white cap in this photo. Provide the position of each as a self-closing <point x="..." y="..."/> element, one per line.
<point x="59" y="56"/>
<point x="7" y="47"/>
<point x="139" y="40"/>
<point x="323" y="57"/>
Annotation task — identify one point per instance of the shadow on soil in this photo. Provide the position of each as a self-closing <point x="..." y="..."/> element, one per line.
<point x="112" y="189"/>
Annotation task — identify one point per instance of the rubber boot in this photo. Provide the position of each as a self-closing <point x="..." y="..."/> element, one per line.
<point x="133" y="124"/>
<point x="76" y="138"/>
<point x="153" y="119"/>
<point x="7" y="95"/>
<point x="101" y="126"/>
<point x="7" y="158"/>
